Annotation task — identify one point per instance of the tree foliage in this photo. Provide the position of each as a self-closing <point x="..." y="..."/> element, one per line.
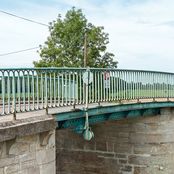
<point x="65" y="45"/>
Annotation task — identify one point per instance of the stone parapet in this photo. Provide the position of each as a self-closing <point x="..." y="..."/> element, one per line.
<point x="28" y="146"/>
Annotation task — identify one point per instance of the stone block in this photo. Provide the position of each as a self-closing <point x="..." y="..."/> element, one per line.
<point x="11" y="169"/>
<point x="27" y="157"/>
<point x="90" y="145"/>
<point x="151" y="170"/>
<point x="154" y="149"/>
<point x="122" y="161"/>
<point x="28" y="139"/>
<point x="28" y="164"/>
<point x="123" y="148"/>
<point x="45" y="156"/>
<point x="110" y="146"/>
<point x="19" y="148"/>
<point x="106" y="155"/>
<point x="48" y="168"/>
<point x="25" y="171"/>
<point x="101" y="146"/>
<point x="8" y="161"/>
<point x="122" y="156"/>
<point x="35" y="170"/>
<point x="151" y="160"/>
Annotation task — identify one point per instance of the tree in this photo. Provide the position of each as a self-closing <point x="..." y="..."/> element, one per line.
<point x="65" y="45"/>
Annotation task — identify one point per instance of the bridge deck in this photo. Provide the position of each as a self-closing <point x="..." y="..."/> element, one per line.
<point x="42" y="113"/>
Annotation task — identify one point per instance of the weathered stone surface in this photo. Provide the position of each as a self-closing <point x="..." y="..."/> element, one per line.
<point x="28" y="153"/>
<point x="45" y="156"/>
<point x="11" y="169"/>
<point x="132" y="146"/>
<point x="34" y="170"/>
<point x="48" y="168"/>
<point x="1" y="170"/>
<point x="153" y="170"/>
<point x="19" y="148"/>
<point x="26" y="127"/>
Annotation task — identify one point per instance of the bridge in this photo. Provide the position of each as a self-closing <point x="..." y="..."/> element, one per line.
<point x="121" y="114"/>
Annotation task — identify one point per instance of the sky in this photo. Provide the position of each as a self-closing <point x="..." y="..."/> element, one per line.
<point x="141" y="32"/>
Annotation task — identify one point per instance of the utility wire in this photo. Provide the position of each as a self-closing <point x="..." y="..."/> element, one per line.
<point x="23" y="18"/>
<point x="15" y="52"/>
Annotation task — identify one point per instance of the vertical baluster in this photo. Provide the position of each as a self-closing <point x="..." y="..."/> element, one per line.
<point x="37" y="90"/>
<point x="143" y="81"/>
<point x="92" y="87"/>
<point x="80" y="87"/>
<point x="110" y="85"/>
<point x="104" y="86"/>
<point x="139" y="83"/>
<point x="119" y="85"/>
<point x="152" y="88"/>
<point x="124" y="85"/>
<point x="62" y="93"/>
<point x="33" y="90"/>
<point x="28" y="89"/>
<point x="172" y="78"/>
<point x="143" y="85"/>
<point x="23" y="90"/>
<point x="131" y="85"/>
<point x="46" y="93"/>
<point x="158" y="85"/>
<point x="70" y="98"/>
<point x="170" y="85"/>
<point x="117" y="81"/>
<point x="135" y="85"/>
<point x="58" y="91"/>
<point x="146" y="87"/>
<point x="166" y="90"/>
<point x="73" y="88"/>
<point x="14" y="95"/>
<point x="148" y="78"/>
<point x="77" y="87"/>
<point x="54" y="87"/>
<point x="161" y="85"/>
<point x="114" y="86"/>
<point x="95" y="89"/>
<point x="3" y="93"/>
<point x="66" y="90"/>
<point x="42" y="90"/>
<point x="9" y="92"/>
<point x="18" y="96"/>
<point x="98" y="85"/>
<point x="51" y="91"/>
<point x="84" y="88"/>
<point x="128" y="85"/>
<point x="102" y="89"/>
<point x="168" y="94"/>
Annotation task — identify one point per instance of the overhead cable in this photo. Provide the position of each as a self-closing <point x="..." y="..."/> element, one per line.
<point x="19" y="51"/>
<point x="23" y="18"/>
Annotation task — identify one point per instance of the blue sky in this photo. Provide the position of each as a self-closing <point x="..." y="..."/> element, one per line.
<point x="141" y="32"/>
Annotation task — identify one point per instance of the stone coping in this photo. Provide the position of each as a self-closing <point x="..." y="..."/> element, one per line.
<point x="28" y="126"/>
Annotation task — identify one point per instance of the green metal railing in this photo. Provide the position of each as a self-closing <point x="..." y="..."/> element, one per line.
<point x="30" y="89"/>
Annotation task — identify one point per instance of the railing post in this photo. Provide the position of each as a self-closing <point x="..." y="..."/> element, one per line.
<point x="14" y="96"/>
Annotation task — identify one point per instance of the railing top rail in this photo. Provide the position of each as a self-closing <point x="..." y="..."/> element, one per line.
<point x="79" y="69"/>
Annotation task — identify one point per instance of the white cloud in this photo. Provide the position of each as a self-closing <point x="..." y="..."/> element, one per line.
<point x="141" y="34"/>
